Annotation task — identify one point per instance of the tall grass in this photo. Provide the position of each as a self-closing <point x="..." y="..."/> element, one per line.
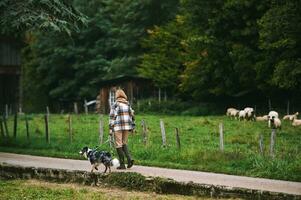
<point x="199" y="143"/>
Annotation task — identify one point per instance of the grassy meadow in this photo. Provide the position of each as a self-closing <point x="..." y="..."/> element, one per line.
<point x="199" y="143"/>
<point x="33" y="189"/>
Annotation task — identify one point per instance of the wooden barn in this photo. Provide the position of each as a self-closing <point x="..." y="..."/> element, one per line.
<point x="134" y="87"/>
<point x="10" y="72"/>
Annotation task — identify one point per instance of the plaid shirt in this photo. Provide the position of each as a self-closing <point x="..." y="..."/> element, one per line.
<point x="121" y="117"/>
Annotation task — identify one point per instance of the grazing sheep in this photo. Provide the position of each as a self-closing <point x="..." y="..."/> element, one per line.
<point x="291" y="117"/>
<point x="241" y="115"/>
<point x="262" y="118"/>
<point x="247" y="109"/>
<point x="273" y="114"/>
<point x="296" y="122"/>
<point x="234" y="113"/>
<point x="275" y="123"/>
<point x="229" y="110"/>
<point x="250" y="113"/>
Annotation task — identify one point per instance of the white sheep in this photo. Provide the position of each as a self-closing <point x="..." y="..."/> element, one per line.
<point x="241" y="115"/>
<point x="291" y="117"/>
<point x="275" y="123"/>
<point x="262" y="118"/>
<point x="229" y="110"/>
<point x="272" y="115"/>
<point x="250" y="115"/>
<point x="296" y="122"/>
<point x="234" y="113"/>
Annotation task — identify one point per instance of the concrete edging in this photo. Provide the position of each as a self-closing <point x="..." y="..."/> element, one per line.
<point x="132" y="180"/>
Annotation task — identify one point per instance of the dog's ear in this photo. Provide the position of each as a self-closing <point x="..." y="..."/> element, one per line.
<point x="84" y="149"/>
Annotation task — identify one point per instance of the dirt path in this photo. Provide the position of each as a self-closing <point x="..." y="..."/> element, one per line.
<point x="178" y="175"/>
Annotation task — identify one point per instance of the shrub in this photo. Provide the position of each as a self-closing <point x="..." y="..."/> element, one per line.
<point x="177" y="107"/>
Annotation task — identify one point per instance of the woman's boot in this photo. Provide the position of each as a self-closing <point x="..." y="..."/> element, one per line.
<point x="128" y="156"/>
<point x="121" y="158"/>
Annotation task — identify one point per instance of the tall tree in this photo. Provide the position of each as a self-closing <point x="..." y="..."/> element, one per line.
<point x="280" y="39"/>
<point x="35" y="14"/>
<point x="130" y="19"/>
<point x="163" y="62"/>
<point x="72" y="67"/>
<point x="225" y="48"/>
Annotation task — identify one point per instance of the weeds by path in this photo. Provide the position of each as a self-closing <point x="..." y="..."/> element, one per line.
<point x="33" y="189"/>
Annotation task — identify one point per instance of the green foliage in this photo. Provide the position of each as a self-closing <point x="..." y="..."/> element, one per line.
<point x="59" y="16"/>
<point x="71" y="68"/>
<point x="233" y="48"/>
<point x="280" y="36"/>
<point x="162" y="63"/>
<point x="223" y="49"/>
<point x="195" y="49"/>
<point x="176" y="107"/>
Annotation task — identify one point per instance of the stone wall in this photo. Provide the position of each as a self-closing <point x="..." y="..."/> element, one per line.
<point x="135" y="181"/>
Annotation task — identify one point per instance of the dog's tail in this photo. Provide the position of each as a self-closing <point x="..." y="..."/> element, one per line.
<point x="115" y="162"/>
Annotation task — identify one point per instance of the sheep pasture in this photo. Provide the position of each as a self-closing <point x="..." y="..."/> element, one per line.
<point x="199" y="137"/>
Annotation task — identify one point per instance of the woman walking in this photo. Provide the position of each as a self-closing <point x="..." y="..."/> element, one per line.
<point x="121" y="123"/>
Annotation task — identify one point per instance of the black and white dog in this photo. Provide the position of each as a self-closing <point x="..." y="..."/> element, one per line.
<point x="97" y="157"/>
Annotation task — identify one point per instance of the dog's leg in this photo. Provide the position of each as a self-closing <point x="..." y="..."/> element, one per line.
<point x="110" y="169"/>
<point x="105" y="169"/>
<point x="94" y="166"/>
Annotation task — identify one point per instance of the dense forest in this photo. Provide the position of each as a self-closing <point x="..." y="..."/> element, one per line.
<point x="195" y="49"/>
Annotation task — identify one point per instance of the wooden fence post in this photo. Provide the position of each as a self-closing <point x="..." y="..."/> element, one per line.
<point x="47" y="111"/>
<point x="101" y="129"/>
<point x="270" y="105"/>
<point x="70" y="128"/>
<point x="144" y="132"/>
<point x="163" y="133"/>
<point x="75" y="108"/>
<point x="288" y="107"/>
<point x="10" y="109"/>
<point x="20" y="109"/>
<point x="5" y="127"/>
<point x="178" y="138"/>
<point x="221" y="137"/>
<point x="272" y="144"/>
<point x="15" y="124"/>
<point x="6" y="111"/>
<point x="47" y="134"/>
<point x="86" y="107"/>
<point x="27" y="127"/>
<point x="261" y="144"/>
<point x="2" y="128"/>
<point x="159" y="95"/>
<point x="138" y="105"/>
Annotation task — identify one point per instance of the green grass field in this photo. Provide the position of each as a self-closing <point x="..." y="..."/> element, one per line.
<point x="33" y="189"/>
<point x="199" y="143"/>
